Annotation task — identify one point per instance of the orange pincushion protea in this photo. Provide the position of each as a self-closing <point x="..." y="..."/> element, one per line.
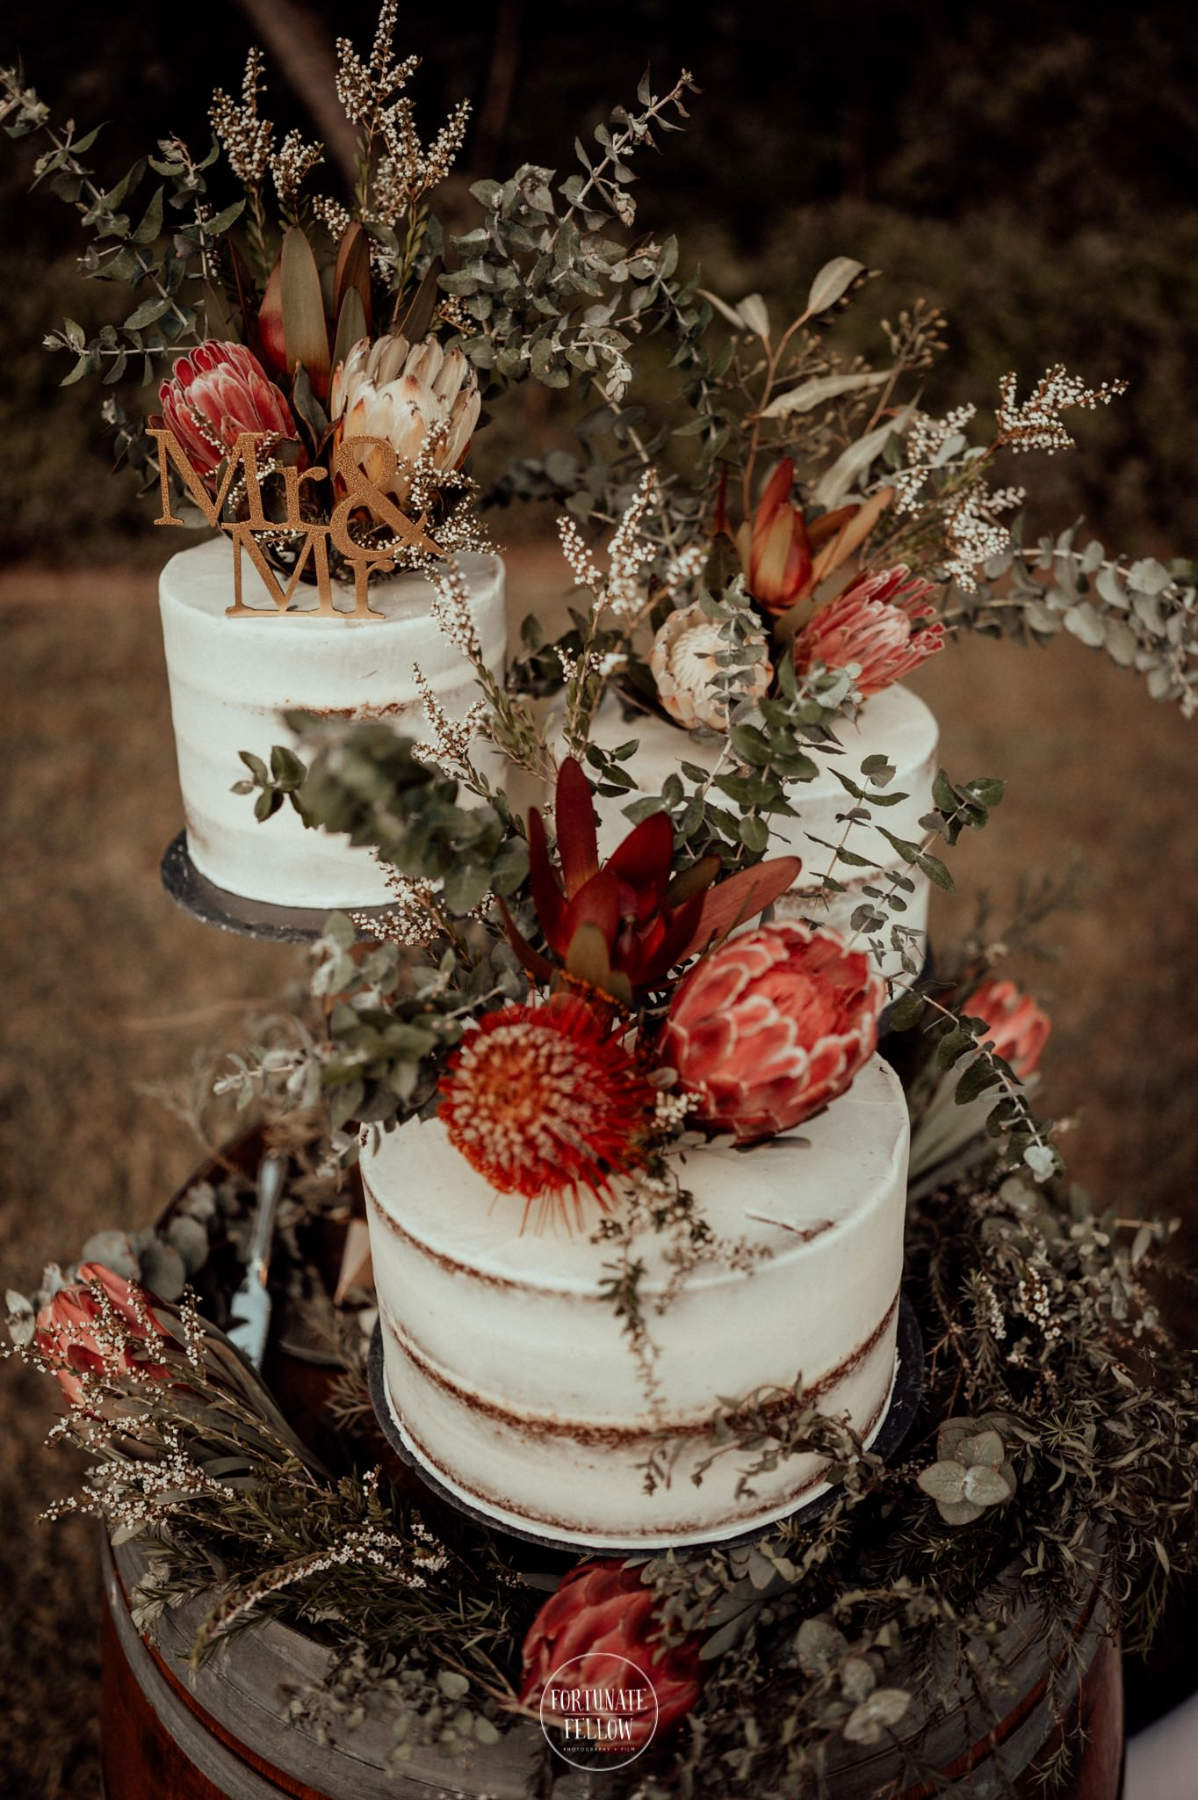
<point x="544" y="1100"/>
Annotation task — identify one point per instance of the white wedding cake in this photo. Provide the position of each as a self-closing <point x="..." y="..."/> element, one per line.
<point x="232" y="679"/>
<point x="509" y="1374"/>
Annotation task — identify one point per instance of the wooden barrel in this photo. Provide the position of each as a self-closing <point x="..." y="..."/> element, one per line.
<point x="222" y="1732"/>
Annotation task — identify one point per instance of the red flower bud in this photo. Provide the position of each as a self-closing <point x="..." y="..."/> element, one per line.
<point x="775" y="549"/>
<point x="601" y="1618"/>
<point x="80" y="1335"/>
<point x="1017" y="1028"/>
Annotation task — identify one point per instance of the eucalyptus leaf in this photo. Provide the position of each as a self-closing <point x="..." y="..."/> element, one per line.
<point x="943" y="1481"/>
<point x="855" y="461"/>
<point x="147" y="313"/>
<point x="813" y="393"/>
<point x="984" y="1486"/>
<point x="753" y="311"/>
<point x="832" y="282"/>
<point x="879" y="1712"/>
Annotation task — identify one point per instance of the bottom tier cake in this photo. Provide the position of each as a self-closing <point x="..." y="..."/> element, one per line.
<point x="510" y="1372"/>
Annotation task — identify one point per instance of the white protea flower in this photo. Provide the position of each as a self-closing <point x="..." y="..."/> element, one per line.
<point x="422" y="400"/>
<point x="694" y="685"/>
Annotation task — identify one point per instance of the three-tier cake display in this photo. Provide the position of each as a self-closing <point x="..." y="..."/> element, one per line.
<point x="732" y="1394"/>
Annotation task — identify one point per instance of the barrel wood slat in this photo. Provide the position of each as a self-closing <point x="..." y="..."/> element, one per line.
<point x="219" y="1733"/>
<point x="225" y="1722"/>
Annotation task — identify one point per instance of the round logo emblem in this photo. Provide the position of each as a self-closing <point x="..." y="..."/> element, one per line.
<point x="599" y="1727"/>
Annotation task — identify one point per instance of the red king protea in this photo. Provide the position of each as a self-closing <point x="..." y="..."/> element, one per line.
<point x="601" y="1619"/>
<point x="772" y="1027"/>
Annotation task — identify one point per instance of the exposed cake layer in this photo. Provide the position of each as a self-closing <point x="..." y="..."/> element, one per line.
<point x="513" y="1381"/>
<point x="231" y="679"/>
<point x="894" y="723"/>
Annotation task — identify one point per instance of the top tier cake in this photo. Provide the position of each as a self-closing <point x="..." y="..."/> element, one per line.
<point x="232" y="679"/>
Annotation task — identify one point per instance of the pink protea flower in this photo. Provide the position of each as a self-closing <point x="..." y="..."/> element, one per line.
<point x="543" y="1100"/>
<point x="1017" y="1028"/>
<point x="217" y="392"/>
<point x="78" y="1334"/>
<point x="770" y="1028"/>
<point x="880" y="622"/>
<point x="602" y="1617"/>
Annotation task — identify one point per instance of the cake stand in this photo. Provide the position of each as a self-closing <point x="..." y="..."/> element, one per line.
<point x="213" y="905"/>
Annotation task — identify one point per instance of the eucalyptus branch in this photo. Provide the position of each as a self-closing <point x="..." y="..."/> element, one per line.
<point x="96" y="209"/>
<point x="609" y="173"/>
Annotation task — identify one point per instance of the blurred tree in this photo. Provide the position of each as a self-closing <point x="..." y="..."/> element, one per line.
<point x="1030" y="166"/>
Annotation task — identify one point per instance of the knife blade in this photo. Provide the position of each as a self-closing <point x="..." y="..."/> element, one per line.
<point x="249" y="1313"/>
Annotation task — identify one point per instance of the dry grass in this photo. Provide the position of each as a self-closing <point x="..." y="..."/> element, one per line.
<point x="108" y="988"/>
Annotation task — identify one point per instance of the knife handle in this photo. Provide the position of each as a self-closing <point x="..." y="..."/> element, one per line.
<point x="271" y="1174"/>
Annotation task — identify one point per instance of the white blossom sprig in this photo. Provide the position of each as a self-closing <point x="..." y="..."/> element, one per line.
<point x="247" y="140"/>
<point x="1036" y="423"/>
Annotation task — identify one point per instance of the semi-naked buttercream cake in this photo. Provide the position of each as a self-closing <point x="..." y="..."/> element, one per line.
<point x="508" y="1371"/>
<point x="232" y="679"/>
<point x="894" y="723"/>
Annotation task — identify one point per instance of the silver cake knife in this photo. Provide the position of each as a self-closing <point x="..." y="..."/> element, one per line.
<point x="249" y="1314"/>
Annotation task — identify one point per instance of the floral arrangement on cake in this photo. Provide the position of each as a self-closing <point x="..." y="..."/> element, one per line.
<point x="578" y="1023"/>
<point x="314" y="324"/>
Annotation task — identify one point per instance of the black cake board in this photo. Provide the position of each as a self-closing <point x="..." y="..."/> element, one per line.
<point x="213" y="905"/>
<point x="887" y="1442"/>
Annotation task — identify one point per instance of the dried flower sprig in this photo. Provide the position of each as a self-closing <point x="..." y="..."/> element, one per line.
<point x="247" y="140"/>
<point x="396" y="172"/>
<point x="622" y="598"/>
<point x="1036" y="423"/>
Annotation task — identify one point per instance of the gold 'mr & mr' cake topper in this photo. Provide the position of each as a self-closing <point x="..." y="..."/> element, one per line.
<point x="248" y="534"/>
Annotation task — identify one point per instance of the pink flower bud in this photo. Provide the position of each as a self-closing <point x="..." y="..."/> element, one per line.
<point x="1017" y="1028"/>
<point x="76" y="1336"/>
<point x="600" y="1619"/>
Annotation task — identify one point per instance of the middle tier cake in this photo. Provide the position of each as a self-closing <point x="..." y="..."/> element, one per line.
<point x="511" y="1377"/>
<point x="894" y="723"/>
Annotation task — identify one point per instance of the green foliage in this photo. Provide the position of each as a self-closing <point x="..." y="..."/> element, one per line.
<point x="363" y="779"/>
<point x="1144" y="614"/>
<point x="551" y="286"/>
<point x="971" y="1471"/>
<point x="163" y="263"/>
<point x="397" y="1013"/>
